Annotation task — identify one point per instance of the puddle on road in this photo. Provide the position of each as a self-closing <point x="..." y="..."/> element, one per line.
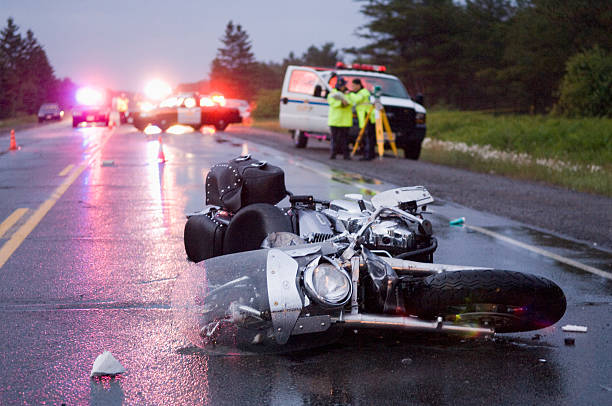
<point x="350" y="177"/>
<point x="221" y="140"/>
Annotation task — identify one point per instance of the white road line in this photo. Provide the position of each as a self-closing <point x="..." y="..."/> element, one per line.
<point x="542" y="252"/>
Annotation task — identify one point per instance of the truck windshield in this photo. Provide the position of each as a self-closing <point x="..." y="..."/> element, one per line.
<point x="390" y="87"/>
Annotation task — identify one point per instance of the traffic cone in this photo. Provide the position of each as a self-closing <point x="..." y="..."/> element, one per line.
<point x="161" y="158"/>
<point x="13" y="146"/>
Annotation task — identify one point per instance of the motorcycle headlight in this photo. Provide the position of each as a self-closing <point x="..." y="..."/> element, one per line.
<point x="327" y="284"/>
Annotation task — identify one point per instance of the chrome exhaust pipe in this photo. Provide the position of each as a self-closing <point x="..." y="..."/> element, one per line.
<point x="408" y="324"/>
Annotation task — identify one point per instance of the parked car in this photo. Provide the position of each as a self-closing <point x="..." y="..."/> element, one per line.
<point x="50" y="111"/>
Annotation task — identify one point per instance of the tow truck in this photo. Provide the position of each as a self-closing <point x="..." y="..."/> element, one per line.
<point x="304" y="108"/>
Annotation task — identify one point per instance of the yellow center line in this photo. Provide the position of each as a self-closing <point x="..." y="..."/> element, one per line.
<point x="67" y="169"/>
<point x="20" y="235"/>
<point x="11" y="220"/>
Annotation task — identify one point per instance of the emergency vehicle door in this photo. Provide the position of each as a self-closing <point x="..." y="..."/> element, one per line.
<point x="303" y="101"/>
<point x="189" y="115"/>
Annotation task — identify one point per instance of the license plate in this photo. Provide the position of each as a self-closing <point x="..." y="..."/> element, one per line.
<point x="48" y="116"/>
<point x="90" y="118"/>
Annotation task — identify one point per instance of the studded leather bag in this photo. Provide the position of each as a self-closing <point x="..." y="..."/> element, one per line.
<point x="243" y="181"/>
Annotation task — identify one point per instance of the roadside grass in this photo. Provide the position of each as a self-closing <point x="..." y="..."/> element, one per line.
<point x="582" y="180"/>
<point x="17" y="122"/>
<point x="571" y="153"/>
<point x="586" y="141"/>
<point x="270" y="124"/>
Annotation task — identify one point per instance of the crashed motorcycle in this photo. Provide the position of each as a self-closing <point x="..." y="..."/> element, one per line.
<point x="287" y="298"/>
<point x="241" y="214"/>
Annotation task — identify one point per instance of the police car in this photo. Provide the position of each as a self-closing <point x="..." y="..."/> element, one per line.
<point x="190" y="109"/>
<point x="304" y="107"/>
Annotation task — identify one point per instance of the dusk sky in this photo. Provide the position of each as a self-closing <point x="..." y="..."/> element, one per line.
<point x="124" y="43"/>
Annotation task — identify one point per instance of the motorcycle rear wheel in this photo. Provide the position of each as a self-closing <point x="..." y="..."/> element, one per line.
<point x="504" y="300"/>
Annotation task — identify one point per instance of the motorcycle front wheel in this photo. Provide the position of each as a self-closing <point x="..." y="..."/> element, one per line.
<point x="507" y="301"/>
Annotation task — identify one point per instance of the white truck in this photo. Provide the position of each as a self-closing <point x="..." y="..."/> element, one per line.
<point x="304" y="107"/>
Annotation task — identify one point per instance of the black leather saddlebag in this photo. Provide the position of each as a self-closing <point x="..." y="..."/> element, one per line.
<point x="243" y="181"/>
<point x="203" y="237"/>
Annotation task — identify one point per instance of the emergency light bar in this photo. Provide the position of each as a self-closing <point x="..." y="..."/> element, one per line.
<point x="360" y="66"/>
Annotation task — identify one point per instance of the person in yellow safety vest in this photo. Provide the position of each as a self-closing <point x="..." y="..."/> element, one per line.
<point x="122" y="108"/>
<point x="360" y="98"/>
<point x="340" y="119"/>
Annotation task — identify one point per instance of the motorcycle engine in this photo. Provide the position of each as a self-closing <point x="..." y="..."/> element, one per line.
<point x="392" y="236"/>
<point x="314" y="226"/>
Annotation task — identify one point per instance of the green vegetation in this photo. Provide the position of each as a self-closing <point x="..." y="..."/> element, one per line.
<point x="267" y="104"/>
<point x="586" y="141"/>
<point x="483" y="54"/>
<point x="26" y="76"/>
<point x="586" y="88"/>
<point x="574" y="153"/>
<point x="17" y="122"/>
<point x="270" y="124"/>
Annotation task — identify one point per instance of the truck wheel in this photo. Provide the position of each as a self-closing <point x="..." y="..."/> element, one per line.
<point x="412" y="150"/>
<point x="299" y="139"/>
<point x="220" y="125"/>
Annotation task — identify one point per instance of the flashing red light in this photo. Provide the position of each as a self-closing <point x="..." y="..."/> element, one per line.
<point x="89" y="96"/>
<point x="218" y="99"/>
<point x="362" y="66"/>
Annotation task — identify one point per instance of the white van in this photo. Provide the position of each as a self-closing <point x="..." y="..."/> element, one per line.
<point x="304" y="107"/>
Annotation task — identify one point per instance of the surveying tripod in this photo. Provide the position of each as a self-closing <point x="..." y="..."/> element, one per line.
<point x="382" y="126"/>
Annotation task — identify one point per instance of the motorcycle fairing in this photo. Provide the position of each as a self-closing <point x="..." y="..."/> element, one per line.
<point x="283" y="294"/>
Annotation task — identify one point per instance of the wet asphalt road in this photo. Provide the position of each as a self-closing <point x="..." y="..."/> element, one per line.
<point x="90" y="266"/>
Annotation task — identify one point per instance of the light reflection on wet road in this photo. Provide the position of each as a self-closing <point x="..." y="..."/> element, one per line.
<point x="97" y="274"/>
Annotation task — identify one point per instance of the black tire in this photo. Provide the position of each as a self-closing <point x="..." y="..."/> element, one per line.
<point x="505" y="300"/>
<point x="221" y="125"/>
<point x="163" y="125"/>
<point x="251" y="225"/>
<point x="412" y="150"/>
<point x="75" y="123"/>
<point x="299" y="139"/>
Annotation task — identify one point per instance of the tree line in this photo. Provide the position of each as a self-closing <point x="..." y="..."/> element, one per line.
<point x="527" y="56"/>
<point x="26" y="77"/>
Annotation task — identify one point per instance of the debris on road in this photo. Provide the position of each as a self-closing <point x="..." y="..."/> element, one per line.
<point x="407" y="361"/>
<point x="457" y="222"/>
<point x="108" y="163"/>
<point x="570" y="341"/>
<point x="106" y="365"/>
<point x="542" y="360"/>
<point x="571" y="328"/>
